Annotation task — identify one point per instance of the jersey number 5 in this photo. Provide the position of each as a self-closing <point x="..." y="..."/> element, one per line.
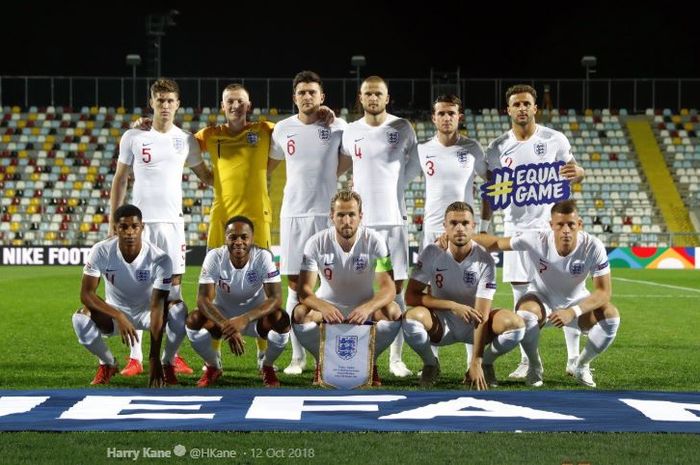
<point x="146" y="154"/>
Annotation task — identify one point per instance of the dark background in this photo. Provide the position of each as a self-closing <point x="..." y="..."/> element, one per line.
<point x="266" y="39"/>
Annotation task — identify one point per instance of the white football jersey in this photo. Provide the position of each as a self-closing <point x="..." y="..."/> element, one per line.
<point x="311" y="154"/>
<point x="562" y="280"/>
<point x="544" y="146"/>
<point x="384" y="160"/>
<point x="130" y="285"/>
<point x="158" y="160"/>
<point x="347" y="279"/>
<point x="461" y="282"/>
<point x="239" y="288"/>
<point x="449" y="176"/>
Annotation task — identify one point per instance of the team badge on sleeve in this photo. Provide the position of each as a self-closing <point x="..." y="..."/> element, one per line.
<point x="143" y="275"/>
<point x="491" y="285"/>
<point x="272" y="274"/>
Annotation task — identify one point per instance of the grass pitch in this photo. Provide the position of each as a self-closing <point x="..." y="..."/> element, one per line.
<point x="656" y="349"/>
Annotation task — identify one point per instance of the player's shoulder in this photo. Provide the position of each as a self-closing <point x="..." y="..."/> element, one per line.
<point x="426" y="143"/>
<point x="547" y="133"/>
<point x="482" y="255"/>
<point x="431" y="252"/>
<point x="339" y="124"/>
<point x="209" y="131"/>
<point x="104" y="246"/>
<point x="266" y="126"/>
<point x="285" y="123"/>
<point x="154" y="252"/>
<point x="472" y="145"/>
<point x="499" y="141"/>
<point x="216" y="253"/>
<point x="258" y="253"/>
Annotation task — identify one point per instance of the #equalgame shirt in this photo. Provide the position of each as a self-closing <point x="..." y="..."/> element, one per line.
<point x="545" y="145"/>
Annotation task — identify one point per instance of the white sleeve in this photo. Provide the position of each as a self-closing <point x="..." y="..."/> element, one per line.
<point x="413" y="167"/>
<point x="310" y="260"/>
<point x="269" y="270"/>
<point x="342" y="126"/>
<point x="564" y="152"/>
<point x="487" y="283"/>
<point x="95" y="261"/>
<point x="527" y="242"/>
<point x="126" y="154"/>
<point x="210" y="268"/>
<point x="423" y="269"/>
<point x="163" y="278"/>
<point x="276" y="150"/>
<point x="480" y="164"/>
<point x="601" y="264"/>
<point x="194" y="154"/>
<point x="492" y="158"/>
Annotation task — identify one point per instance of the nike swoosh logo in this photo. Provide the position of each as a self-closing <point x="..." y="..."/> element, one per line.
<point x="146" y="145"/>
<point x="509" y="151"/>
<point x="358" y="140"/>
<point x="108" y="270"/>
<point x="291" y="135"/>
<point x="441" y="269"/>
<point x="430" y="156"/>
<point x="327" y="264"/>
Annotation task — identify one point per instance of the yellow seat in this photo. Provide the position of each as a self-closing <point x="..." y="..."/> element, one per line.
<point x="84" y="227"/>
<point x="50" y="236"/>
<point x="202" y="227"/>
<point x="15" y="226"/>
<point x="595" y="156"/>
<point x="73" y="202"/>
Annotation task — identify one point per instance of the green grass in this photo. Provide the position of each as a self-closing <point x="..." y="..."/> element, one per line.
<point x="656" y="349"/>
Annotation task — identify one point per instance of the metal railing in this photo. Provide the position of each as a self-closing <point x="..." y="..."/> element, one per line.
<point x="407" y="94"/>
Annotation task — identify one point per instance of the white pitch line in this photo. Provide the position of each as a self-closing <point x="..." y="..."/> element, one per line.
<point x="690" y="289"/>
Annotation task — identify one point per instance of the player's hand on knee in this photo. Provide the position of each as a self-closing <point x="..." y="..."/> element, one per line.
<point x="236" y="344"/>
<point x="561" y="317"/>
<point x="332" y="316"/>
<point x="142" y="123"/>
<point x="127" y="331"/>
<point x="156" y="378"/>
<point x="359" y="315"/>
<point x="467" y="313"/>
